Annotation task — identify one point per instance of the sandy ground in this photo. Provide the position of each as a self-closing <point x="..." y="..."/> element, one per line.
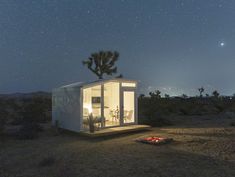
<point x="198" y="150"/>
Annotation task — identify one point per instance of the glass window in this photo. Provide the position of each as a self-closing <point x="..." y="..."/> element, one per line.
<point x="111" y="104"/>
<point x="92" y="104"/>
<point x="128" y="106"/>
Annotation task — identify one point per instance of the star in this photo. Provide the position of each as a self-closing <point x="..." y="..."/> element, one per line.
<point x="222" y="44"/>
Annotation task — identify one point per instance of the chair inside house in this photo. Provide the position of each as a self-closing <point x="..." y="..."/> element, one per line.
<point x="114" y="114"/>
<point x="98" y="122"/>
<point x="128" y="116"/>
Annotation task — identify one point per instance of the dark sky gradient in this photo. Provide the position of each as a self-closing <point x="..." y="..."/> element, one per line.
<point x="176" y="46"/>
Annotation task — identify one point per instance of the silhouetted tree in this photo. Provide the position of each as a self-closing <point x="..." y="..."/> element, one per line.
<point x="215" y="94"/>
<point x="155" y="94"/>
<point x="184" y="96"/>
<point x="207" y="95"/>
<point x="233" y="96"/>
<point x="201" y="90"/>
<point x="167" y="96"/>
<point x="141" y="96"/>
<point x="102" y="63"/>
<point x="120" y="76"/>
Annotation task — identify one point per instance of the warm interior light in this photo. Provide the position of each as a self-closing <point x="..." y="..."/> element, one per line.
<point x="88" y="107"/>
<point x="128" y="84"/>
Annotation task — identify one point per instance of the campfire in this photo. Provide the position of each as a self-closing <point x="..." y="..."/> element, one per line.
<point x="154" y="140"/>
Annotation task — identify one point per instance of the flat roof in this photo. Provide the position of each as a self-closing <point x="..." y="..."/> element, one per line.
<point x="81" y="84"/>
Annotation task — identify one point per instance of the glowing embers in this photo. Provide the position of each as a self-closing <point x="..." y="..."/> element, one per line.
<point x="154" y="140"/>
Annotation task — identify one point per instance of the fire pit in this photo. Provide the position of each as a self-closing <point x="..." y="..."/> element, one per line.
<point x="154" y="140"/>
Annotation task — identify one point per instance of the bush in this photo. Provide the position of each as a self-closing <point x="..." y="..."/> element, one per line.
<point x="183" y="111"/>
<point x="56" y="128"/>
<point x="232" y="124"/>
<point x="159" y="122"/>
<point x="35" y="110"/>
<point x="29" y="130"/>
<point x="2" y="125"/>
<point x="155" y="120"/>
<point x="219" y="107"/>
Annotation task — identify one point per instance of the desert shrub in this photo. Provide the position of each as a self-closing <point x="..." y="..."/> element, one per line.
<point x="2" y="125"/>
<point x="155" y="120"/>
<point x="29" y="130"/>
<point x="35" y="107"/>
<point x="149" y="109"/>
<point x="184" y="111"/>
<point x="30" y="127"/>
<point x="219" y="107"/>
<point x="15" y="109"/>
<point x="3" y="118"/>
<point x="56" y="128"/>
<point x="171" y="109"/>
<point x="47" y="161"/>
<point x="35" y="110"/>
<point x="159" y="122"/>
<point x="232" y="124"/>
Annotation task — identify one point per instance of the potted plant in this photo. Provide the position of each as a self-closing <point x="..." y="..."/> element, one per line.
<point x="91" y="123"/>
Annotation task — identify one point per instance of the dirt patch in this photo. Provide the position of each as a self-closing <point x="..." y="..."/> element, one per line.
<point x="198" y="150"/>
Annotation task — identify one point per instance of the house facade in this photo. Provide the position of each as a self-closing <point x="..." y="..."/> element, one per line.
<point x="112" y="102"/>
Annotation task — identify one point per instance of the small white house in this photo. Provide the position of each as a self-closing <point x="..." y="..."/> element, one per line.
<point x="113" y="102"/>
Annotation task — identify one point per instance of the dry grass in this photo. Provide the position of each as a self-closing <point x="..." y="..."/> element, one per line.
<point x="195" y="152"/>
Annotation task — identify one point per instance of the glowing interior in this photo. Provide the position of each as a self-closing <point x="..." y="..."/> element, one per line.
<point x="111" y="104"/>
<point x="92" y="103"/>
<point x="89" y="94"/>
<point x="129" y="107"/>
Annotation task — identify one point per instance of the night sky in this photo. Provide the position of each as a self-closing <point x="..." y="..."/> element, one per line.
<point x="176" y="46"/>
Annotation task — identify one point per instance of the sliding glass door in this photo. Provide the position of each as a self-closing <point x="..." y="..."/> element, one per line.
<point x="111" y="104"/>
<point x="128" y="106"/>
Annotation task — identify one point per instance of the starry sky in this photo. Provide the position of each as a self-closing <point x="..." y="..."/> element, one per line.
<point x="176" y="46"/>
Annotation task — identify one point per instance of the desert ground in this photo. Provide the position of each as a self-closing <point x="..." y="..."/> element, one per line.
<point x="204" y="146"/>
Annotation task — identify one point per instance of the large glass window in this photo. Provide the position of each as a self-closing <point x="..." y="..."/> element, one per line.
<point x="92" y="104"/>
<point x="128" y="106"/>
<point x="111" y="104"/>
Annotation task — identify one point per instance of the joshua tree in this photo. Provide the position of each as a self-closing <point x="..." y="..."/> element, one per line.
<point x="155" y="94"/>
<point x="167" y="96"/>
<point x="215" y="94"/>
<point x="102" y="63"/>
<point x="184" y="96"/>
<point x="201" y="90"/>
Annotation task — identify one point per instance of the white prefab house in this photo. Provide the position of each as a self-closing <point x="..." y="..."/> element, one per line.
<point x="112" y="102"/>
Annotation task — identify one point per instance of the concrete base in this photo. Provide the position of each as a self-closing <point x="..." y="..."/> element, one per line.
<point x="116" y="130"/>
